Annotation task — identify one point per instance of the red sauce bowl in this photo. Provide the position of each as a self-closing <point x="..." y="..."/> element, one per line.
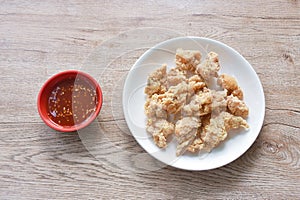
<point x="52" y="89"/>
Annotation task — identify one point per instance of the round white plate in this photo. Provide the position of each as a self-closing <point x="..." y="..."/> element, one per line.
<point x="231" y="63"/>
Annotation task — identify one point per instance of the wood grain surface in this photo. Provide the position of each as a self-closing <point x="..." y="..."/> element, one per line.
<point x="41" y="38"/>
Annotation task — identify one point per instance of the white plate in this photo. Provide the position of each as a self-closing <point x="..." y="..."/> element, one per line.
<point x="231" y="63"/>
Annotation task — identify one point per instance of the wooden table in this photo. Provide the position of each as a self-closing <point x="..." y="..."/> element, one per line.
<point x="41" y="38"/>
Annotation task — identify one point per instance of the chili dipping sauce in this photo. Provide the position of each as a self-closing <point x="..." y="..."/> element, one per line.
<point x="72" y="101"/>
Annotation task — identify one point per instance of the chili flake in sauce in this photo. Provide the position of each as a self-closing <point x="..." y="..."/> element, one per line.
<point x="71" y="102"/>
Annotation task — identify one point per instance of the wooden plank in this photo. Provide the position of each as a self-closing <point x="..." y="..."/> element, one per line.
<point x="36" y="161"/>
<point x="41" y="38"/>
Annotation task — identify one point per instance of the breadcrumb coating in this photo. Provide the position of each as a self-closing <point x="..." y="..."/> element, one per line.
<point x="210" y="67"/>
<point x="199" y="105"/>
<point x="175" y="76"/>
<point x="157" y="81"/>
<point x="219" y="103"/>
<point x="237" y="107"/>
<point x="187" y="60"/>
<point x="175" y="98"/>
<point x="196" y="145"/>
<point x="160" y="129"/>
<point x="230" y="84"/>
<point x="196" y="83"/>
<point x="227" y="82"/>
<point x="238" y="93"/>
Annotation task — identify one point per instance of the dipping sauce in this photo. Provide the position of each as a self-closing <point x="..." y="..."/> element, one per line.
<point x="72" y="101"/>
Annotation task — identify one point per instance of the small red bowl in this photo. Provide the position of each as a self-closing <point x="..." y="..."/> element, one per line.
<point x="42" y="101"/>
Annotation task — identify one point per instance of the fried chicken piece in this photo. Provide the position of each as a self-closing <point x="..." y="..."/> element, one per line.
<point x="175" y="98"/>
<point x="157" y="124"/>
<point x="238" y="93"/>
<point x="175" y="76"/>
<point x="196" y="145"/>
<point x="227" y="82"/>
<point x="196" y="83"/>
<point x="205" y="121"/>
<point x="234" y="122"/>
<point x="199" y="105"/>
<point x="154" y="107"/>
<point x="237" y="107"/>
<point x="184" y="126"/>
<point x="198" y="142"/>
<point x="219" y="102"/>
<point x="157" y="81"/>
<point x="210" y="67"/>
<point x="187" y="59"/>
<point x="230" y="84"/>
<point x="185" y="131"/>
<point x="160" y="129"/>
<point x="216" y="131"/>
